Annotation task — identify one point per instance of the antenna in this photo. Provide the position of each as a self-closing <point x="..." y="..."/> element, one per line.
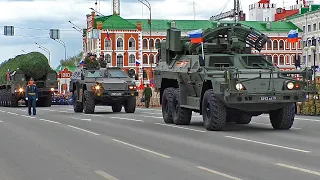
<point x="194" y="11"/>
<point x="236" y="11"/>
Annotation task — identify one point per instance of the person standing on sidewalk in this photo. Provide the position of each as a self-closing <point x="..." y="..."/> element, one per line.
<point x="32" y="96"/>
<point x="147" y="92"/>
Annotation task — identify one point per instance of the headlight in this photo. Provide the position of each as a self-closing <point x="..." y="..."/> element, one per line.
<point x="239" y="86"/>
<point x="20" y="89"/>
<point x="97" y="87"/>
<point x="131" y="87"/>
<point x="290" y="85"/>
<point x="52" y="89"/>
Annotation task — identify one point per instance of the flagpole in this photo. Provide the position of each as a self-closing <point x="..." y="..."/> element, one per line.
<point x="202" y="51"/>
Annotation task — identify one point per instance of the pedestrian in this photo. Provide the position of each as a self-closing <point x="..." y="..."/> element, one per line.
<point x="147" y="92"/>
<point x="32" y="96"/>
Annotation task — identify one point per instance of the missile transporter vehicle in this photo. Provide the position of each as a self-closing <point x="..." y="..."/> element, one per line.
<point x="109" y="86"/>
<point x="14" y="90"/>
<point x="224" y="81"/>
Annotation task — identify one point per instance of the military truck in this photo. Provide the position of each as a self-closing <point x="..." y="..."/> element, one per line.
<point x="224" y="81"/>
<point x="14" y="90"/>
<point x="107" y="86"/>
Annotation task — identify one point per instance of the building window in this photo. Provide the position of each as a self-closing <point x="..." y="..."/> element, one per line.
<point x="107" y="44"/>
<point x="120" y="61"/>
<point x="151" y="44"/>
<point x="157" y="42"/>
<point x="275" y="59"/>
<point x="145" y="59"/>
<point x="107" y="58"/>
<point x="281" y="45"/>
<point x="269" y="45"/>
<point x="304" y="28"/>
<point x="281" y="60"/>
<point x="288" y="58"/>
<point x="309" y="28"/>
<point x="151" y="58"/>
<point x="132" y="44"/>
<point x="145" y="75"/>
<point x="275" y="45"/>
<point x="314" y="27"/>
<point x="145" y="44"/>
<point x="120" y="44"/>
<point x="132" y="60"/>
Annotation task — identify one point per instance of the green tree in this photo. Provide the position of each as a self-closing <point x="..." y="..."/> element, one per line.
<point x="71" y="61"/>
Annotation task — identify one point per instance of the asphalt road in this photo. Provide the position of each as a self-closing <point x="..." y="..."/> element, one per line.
<point x="58" y="144"/>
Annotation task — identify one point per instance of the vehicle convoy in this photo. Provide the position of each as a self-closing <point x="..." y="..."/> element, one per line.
<point x="34" y="64"/>
<point x="96" y="84"/>
<point x="228" y="83"/>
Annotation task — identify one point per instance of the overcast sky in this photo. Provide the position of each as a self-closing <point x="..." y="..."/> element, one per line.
<point x="33" y="19"/>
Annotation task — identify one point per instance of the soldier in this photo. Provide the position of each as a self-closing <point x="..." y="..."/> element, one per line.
<point x="147" y="92"/>
<point x="32" y="96"/>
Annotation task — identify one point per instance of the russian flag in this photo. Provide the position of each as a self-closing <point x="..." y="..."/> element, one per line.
<point x="138" y="63"/>
<point x="293" y="36"/>
<point x="108" y="35"/>
<point x="195" y="36"/>
<point x="82" y="62"/>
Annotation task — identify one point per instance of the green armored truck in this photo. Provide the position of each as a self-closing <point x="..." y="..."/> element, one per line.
<point x="97" y="84"/>
<point x="223" y="81"/>
<point x="13" y="87"/>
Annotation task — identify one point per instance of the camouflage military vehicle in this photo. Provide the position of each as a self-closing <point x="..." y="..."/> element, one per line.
<point x="15" y="88"/>
<point x="109" y="86"/>
<point x="229" y="84"/>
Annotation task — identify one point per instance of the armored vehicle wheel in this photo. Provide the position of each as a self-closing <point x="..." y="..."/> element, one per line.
<point x="167" y="98"/>
<point x="243" y="118"/>
<point x="117" y="107"/>
<point x="88" y="103"/>
<point x="180" y="115"/>
<point x="14" y="101"/>
<point x="130" y="105"/>
<point x="282" y="118"/>
<point x="213" y="112"/>
<point x="77" y="106"/>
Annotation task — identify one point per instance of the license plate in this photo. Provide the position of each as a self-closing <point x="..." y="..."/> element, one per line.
<point x="268" y="98"/>
<point x="116" y="94"/>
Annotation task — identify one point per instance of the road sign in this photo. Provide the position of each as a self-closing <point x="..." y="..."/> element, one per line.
<point x="8" y="30"/>
<point x="54" y="34"/>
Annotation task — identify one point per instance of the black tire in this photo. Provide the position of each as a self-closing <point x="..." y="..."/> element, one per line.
<point x="88" y="103"/>
<point x="167" y="105"/>
<point x="283" y="118"/>
<point x="117" y="107"/>
<point x="213" y="112"/>
<point x="130" y="105"/>
<point x="243" y="118"/>
<point x="14" y="101"/>
<point x="180" y="115"/>
<point x="77" y="106"/>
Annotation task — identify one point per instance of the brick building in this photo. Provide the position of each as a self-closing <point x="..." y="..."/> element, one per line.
<point x="130" y="40"/>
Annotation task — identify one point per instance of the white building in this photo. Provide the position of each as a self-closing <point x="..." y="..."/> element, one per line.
<point x="262" y="11"/>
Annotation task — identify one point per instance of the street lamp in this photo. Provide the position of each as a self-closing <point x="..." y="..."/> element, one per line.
<point x="147" y="4"/>
<point x="44" y="49"/>
<point x="96" y="11"/>
<point x="23" y="51"/>
<point x="64" y="45"/>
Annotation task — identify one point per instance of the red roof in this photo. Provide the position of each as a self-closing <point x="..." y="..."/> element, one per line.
<point x="285" y="14"/>
<point x="264" y="1"/>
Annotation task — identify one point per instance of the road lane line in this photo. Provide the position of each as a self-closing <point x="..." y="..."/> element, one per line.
<point x="81" y="119"/>
<point x="106" y="175"/>
<point x="48" y="110"/>
<point x="12" y="113"/>
<point x="151" y="109"/>
<point x="83" y="130"/>
<point x="28" y="116"/>
<point x="21" y="110"/>
<point x="218" y="173"/>
<point x="142" y="149"/>
<point x="137" y="120"/>
<point x="179" y="127"/>
<point x="156" y="117"/>
<point x="269" y="125"/>
<point x="49" y="121"/>
<point x="64" y="111"/>
<point x="268" y="144"/>
<point x="1" y="121"/>
<point x="93" y="115"/>
<point x="2" y="111"/>
<point x="151" y="113"/>
<point x="299" y="169"/>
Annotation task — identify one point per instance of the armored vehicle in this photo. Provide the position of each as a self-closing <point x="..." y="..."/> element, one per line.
<point x="15" y="88"/>
<point x="223" y="81"/>
<point x="109" y="86"/>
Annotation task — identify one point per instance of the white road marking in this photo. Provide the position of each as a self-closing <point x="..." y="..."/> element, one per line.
<point x="157" y="117"/>
<point x="106" y="175"/>
<point x="142" y="149"/>
<point x="12" y="113"/>
<point x="81" y="119"/>
<point x="151" y="109"/>
<point x="299" y="169"/>
<point x="93" y="115"/>
<point x="274" y="145"/>
<point x="2" y="111"/>
<point x="83" y="130"/>
<point x="297" y="118"/>
<point x="28" y="116"/>
<point x="21" y="110"/>
<point x="270" y="125"/>
<point x="49" y="121"/>
<point x="137" y="120"/>
<point x="48" y="110"/>
<point x="150" y="113"/>
<point x="1" y="121"/>
<point x="64" y="111"/>
<point x="179" y="127"/>
<point x="218" y="173"/>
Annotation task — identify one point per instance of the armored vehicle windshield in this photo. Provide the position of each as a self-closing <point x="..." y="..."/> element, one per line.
<point x="255" y="62"/>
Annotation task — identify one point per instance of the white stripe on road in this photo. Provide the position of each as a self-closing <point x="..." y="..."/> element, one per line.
<point x="49" y="121"/>
<point x="150" y="113"/>
<point x="64" y="111"/>
<point x="268" y="144"/>
<point x="28" y="116"/>
<point x="299" y="169"/>
<point x="48" y="110"/>
<point x="157" y="117"/>
<point x="179" y="127"/>
<point x="269" y="125"/>
<point x="218" y="173"/>
<point x="137" y="120"/>
<point x="106" y="175"/>
<point x="1" y="121"/>
<point x="81" y="119"/>
<point x="12" y="113"/>
<point x="142" y="149"/>
<point x="83" y="130"/>
<point x="93" y="115"/>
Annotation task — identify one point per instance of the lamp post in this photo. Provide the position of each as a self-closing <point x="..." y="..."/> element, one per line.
<point x="77" y="28"/>
<point x="23" y="51"/>
<point x="313" y="48"/>
<point x="64" y="45"/>
<point x="44" y="49"/>
<point x="96" y="11"/>
<point x="147" y="4"/>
